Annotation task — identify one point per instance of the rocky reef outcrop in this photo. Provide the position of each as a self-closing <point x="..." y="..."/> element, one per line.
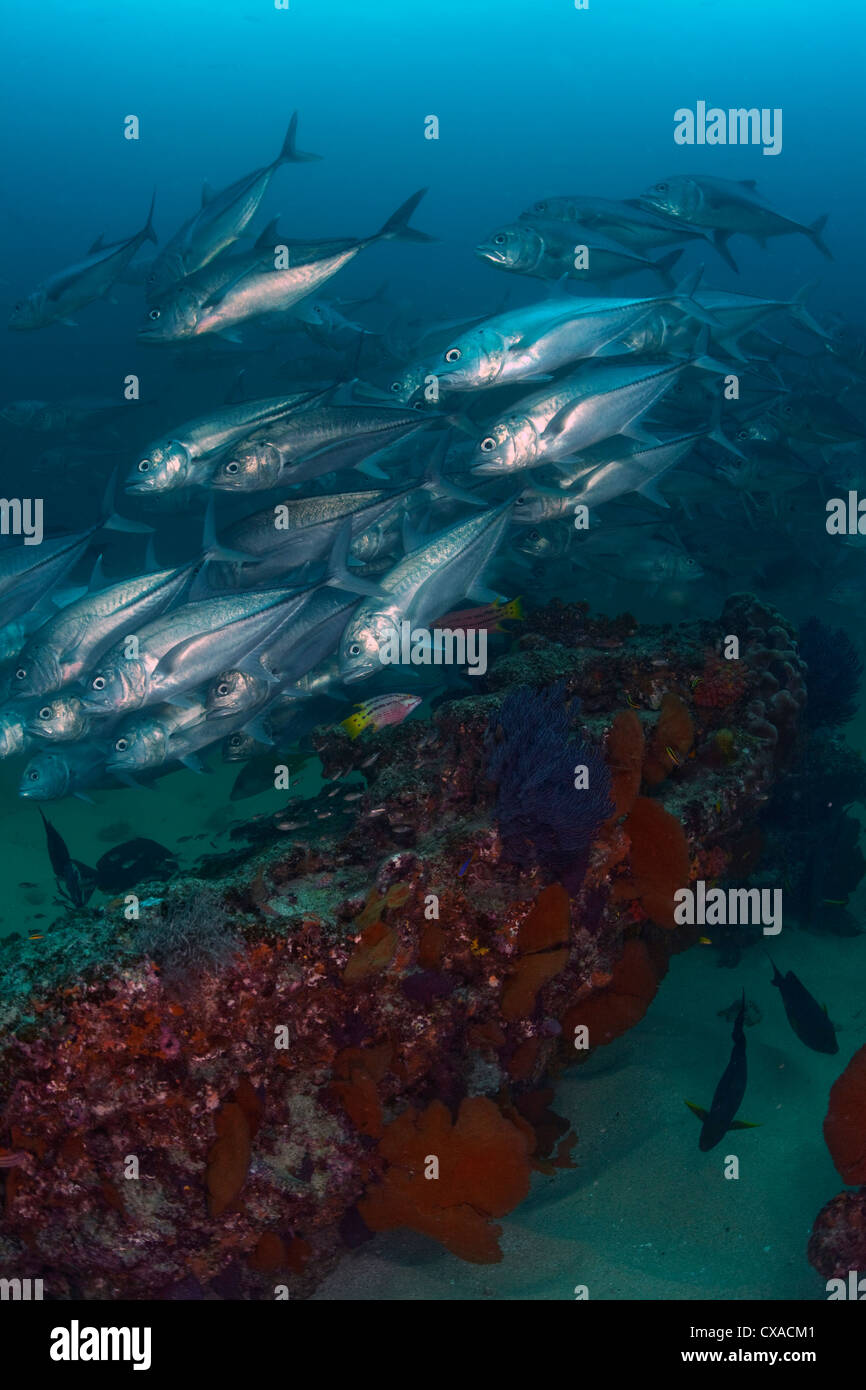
<point x="355" y="1020"/>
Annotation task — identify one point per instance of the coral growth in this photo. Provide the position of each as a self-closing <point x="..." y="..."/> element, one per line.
<point x="293" y="1032"/>
<point x="543" y="816"/>
<point x="838" y="1240"/>
<point x="845" y="1122"/>
<point x="447" y="1179"/>
<point x="671" y="741"/>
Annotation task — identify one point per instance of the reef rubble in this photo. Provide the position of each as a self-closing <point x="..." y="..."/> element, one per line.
<point x="385" y="992"/>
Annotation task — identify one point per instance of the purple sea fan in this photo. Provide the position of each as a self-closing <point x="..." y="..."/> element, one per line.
<point x="548" y="813"/>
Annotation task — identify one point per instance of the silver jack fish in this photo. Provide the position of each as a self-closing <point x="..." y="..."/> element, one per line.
<point x="548" y="251"/>
<point x="61" y="296"/>
<point x="186" y="456"/>
<point x="726" y="207"/>
<point x="424" y="584"/>
<point x="271" y="291"/>
<point x="67" y="645"/>
<point x="529" y="344"/>
<point x="315" y="441"/>
<point x="554" y="424"/>
<point x="219" y="222"/>
<point x="186" y="648"/>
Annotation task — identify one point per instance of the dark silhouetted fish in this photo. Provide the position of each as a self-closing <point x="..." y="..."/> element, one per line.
<point x="76" y="881"/>
<point x="258" y="775"/>
<point x="133" y="862"/>
<point x="729" y="1092"/>
<point x="806" y="1016"/>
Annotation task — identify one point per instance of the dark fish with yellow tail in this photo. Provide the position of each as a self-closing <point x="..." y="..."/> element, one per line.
<point x="729" y="1093"/>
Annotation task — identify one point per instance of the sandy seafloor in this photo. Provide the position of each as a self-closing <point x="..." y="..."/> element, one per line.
<point x="644" y="1215"/>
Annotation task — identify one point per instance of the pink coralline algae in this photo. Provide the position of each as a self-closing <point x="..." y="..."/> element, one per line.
<point x="218" y="1128"/>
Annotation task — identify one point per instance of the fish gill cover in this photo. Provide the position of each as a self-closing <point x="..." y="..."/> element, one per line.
<point x="430" y="578"/>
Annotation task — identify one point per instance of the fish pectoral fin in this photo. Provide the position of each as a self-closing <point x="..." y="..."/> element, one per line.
<point x="479" y="593"/>
<point x="651" y="490"/>
<point x="339" y="575"/>
<point x="372" y="470"/>
<point x="558" y="422"/>
<point x="219" y="295"/>
<point x="193" y="762"/>
<point x="744" y="1124"/>
<point x="698" y="1111"/>
<point x="259" y="730"/>
<point x="636" y="431"/>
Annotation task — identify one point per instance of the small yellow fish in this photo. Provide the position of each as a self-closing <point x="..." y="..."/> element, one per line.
<point x="674" y="757"/>
<point x="704" y="941"/>
<point x="632" y="702"/>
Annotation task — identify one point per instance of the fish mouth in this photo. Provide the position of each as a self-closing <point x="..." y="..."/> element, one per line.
<point x="95" y="706"/>
<point x="349" y="677"/>
<point x="488" y="253"/>
<point x="487" y="470"/>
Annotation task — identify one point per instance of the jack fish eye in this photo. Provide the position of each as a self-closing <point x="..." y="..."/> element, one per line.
<point x="534" y="536"/>
<point x="488" y="444"/>
<point x="121" y="745"/>
<point x="499" y="239"/>
<point x="222" y="688"/>
<point x="395" y="385"/>
<point x="98" y="683"/>
<point x="233" y="467"/>
<point x="661" y="188"/>
<point x="452" y="355"/>
<point x="154" y="314"/>
<point x="21" y="674"/>
<point x="354" y="650"/>
<point x="742" y="434"/>
<point x="45" y="712"/>
<point x="236" y="740"/>
<point x="33" y="775"/>
<point x="144" y="466"/>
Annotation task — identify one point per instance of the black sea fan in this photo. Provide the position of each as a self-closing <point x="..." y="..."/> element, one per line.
<point x="835" y="672"/>
<point x="547" y="810"/>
